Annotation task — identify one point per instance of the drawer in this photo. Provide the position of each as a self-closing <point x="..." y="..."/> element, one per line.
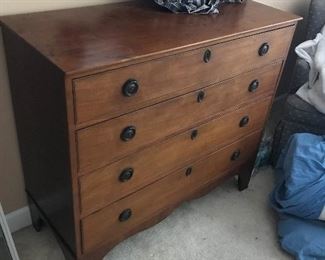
<point x="96" y="143"/>
<point x="112" y="223"/>
<point x="128" y="175"/>
<point x="112" y="93"/>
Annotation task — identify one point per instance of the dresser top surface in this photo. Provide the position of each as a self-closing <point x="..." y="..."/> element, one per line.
<point x="92" y="38"/>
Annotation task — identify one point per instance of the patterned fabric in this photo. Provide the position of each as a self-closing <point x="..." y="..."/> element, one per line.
<point x="194" y="6"/>
<point x="264" y="152"/>
<point x="300" y="75"/>
<point x="298" y="117"/>
<point x="297" y="110"/>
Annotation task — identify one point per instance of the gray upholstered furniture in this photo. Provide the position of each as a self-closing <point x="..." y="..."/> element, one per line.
<point x="299" y="116"/>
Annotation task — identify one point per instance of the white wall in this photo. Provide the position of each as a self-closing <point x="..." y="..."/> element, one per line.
<point x="8" y="7"/>
<point x="296" y="6"/>
<point x="12" y="194"/>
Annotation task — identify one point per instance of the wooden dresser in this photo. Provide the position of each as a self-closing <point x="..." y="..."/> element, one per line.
<point x="123" y="111"/>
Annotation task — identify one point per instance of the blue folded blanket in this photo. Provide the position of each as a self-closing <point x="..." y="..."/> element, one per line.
<point x="300" y="188"/>
<point x="305" y="239"/>
<point x="299" y="196"/>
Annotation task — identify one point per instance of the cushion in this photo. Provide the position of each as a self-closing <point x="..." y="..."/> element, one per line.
<point x="299" y="111"/>
<point x="316" y="18"/>
<point x="300" y="75"/>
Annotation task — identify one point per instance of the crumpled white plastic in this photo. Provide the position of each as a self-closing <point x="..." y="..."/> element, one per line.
<point x="313" y="52"/>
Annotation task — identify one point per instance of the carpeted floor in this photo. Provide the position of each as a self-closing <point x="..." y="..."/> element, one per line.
<point x="225" y="224"/>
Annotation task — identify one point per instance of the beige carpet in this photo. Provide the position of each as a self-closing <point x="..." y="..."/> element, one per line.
<point x="225" y="224"/>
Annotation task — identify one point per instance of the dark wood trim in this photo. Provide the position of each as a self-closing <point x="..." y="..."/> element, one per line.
<point x="73" y="145"/>
<point x="245" y="175"/>
<point x="37" y="90"/>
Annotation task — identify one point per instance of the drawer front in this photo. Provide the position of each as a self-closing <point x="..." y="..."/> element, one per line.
<point x="96" y="143"/>
<point x="112" y="223"/>
<point x="113" y="93"/>
<point x="125" y="176"/>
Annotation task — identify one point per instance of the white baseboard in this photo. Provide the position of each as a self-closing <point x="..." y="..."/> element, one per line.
<point x="18" y="219"/>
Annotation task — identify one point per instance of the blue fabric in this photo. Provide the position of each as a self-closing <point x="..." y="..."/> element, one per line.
<point x="303" y="239"/>
<point x="299" y="196"/>
<point x="300" y="188"/>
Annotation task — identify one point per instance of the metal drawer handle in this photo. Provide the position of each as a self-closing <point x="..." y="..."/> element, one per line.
<point x="244" y="121"/>
<point x="128" y="133"/>
<point x="264" y="49"/>
<point x="126" y="174"/>
<point x="200" y="96"/>
<point x="253" y="86"/>
<point x="194" y="134"/>
<point x="207" y="56"/>
<point x="235" y="156"/>
<point x="188" y="171"/>
<point x="125" y="215"/>
<point x="130" y="88"/>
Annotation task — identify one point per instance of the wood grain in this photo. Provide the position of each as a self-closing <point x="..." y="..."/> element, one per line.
<point x="104" y="226"/>
<point x="101" y="251"/>
<point x="41" y="122"/>
<point x="85" y="40"/>
<point x="96" y="142"/>
<point x="103" y="187"/>
<point x="100" y="96"/>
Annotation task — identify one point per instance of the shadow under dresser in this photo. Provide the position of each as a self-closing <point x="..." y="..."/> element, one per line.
<point x="124" y="111"/>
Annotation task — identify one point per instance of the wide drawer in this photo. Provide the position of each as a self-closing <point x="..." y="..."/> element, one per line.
<point x="103" y="143"/>
<point x="111" y="93"/>
<point x="125" y="176"/>
<point x="124" y="217"/>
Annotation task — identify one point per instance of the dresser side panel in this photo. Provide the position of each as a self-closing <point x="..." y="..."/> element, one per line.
<point x="38" y="95"/>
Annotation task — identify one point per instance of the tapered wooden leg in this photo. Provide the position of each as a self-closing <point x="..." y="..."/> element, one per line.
<point x="245" y="175"/>
<point x="37" y="221"/>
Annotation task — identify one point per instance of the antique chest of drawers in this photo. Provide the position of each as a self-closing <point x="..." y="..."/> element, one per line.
<point x="123" y="111"/>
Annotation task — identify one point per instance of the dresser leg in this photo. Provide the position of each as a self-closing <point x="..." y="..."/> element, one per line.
<point x="245" y="175"/>
<point x="37" y="221"/>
